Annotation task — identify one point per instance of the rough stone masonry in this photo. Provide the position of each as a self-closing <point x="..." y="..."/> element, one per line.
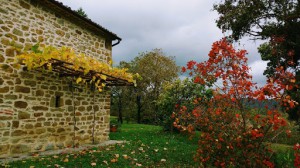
<point x="36" y="108"/>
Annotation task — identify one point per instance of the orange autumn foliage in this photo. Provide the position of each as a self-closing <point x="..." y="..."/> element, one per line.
<point x="231" y="134"/>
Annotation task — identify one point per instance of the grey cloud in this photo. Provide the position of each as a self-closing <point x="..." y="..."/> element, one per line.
<point x="257" y="70"/>
<point x="184" y="29"/>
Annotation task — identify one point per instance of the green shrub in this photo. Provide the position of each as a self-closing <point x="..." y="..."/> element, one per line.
<point x="176" y="94"/>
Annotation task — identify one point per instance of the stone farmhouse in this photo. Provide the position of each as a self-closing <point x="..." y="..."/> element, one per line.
<point x="42" y="111"/>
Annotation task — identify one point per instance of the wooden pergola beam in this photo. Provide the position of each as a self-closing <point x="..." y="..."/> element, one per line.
<point x="64" y="70"/>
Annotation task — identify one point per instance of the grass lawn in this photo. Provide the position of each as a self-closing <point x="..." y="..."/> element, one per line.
<point x="284" y="157"/>
<point x="148" y="146"/>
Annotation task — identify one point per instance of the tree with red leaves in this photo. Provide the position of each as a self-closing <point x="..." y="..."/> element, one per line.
<point x="233" y="131"/>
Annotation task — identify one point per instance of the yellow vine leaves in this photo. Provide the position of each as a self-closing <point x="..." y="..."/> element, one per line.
<point x="101" y="71"/>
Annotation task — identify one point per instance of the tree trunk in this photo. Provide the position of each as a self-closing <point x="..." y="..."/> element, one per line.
<point x="139" y="106"/>
<point x="120" y="116"/>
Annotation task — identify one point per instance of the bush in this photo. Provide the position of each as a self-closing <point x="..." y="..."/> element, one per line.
<point x="291" y="138"/>
<point x="297" y="155"/>
<point x="233" y="133"/>
<point x="177" y="94"/>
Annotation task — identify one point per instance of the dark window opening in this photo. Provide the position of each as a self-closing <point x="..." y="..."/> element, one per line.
<point x="57" y="101"/>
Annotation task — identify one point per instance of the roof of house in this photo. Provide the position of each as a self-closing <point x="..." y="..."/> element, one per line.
<point x="67" y="12"/>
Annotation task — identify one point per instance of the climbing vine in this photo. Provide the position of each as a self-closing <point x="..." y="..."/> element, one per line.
<point x="85" y="69"/>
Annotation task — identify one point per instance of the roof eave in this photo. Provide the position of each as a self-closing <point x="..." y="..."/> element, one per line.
<point x="79" y="19"/>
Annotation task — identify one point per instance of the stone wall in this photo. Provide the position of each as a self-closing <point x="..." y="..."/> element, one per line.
<point x="36" y="108"/>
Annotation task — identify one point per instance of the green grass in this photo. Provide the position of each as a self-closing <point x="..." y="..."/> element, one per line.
<point x="176" y="149"/>
<point x="284" y="155"/>
<point x="146" y="146"/>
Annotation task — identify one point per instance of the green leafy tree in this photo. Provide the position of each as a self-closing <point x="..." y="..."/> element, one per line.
<point x="176" y="94"/>
<point x="277" y="22"/>
<point x="122" y="99"/>
<point x="155" y="68"/>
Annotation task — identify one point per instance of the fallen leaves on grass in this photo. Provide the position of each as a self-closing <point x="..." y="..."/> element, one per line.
<point x="125" y="157"/>
<point x="114" y="160"/>
<point x="35" y="155"/>
<point x="163" y="160"/>
<point x="66" y="160"/>
<point x="105" y="162"/>
<point x="138" y="164"/>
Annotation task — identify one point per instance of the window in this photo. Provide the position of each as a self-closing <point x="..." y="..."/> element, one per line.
<point x="57" y="101"/>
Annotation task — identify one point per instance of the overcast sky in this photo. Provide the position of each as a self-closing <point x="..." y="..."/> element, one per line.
<point x="184" y="29"/>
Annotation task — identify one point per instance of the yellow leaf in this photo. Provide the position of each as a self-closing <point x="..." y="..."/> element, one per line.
<point x="134" y="82"/>
<point x="77" y="62"/>
<point x="125" y="156"/>
<point x="49" y="66"/>
<point x="114" y="160"/>
<point x="79" y="79"/>
<point x="66" y="160"/>
<point x="103" y="77"/>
